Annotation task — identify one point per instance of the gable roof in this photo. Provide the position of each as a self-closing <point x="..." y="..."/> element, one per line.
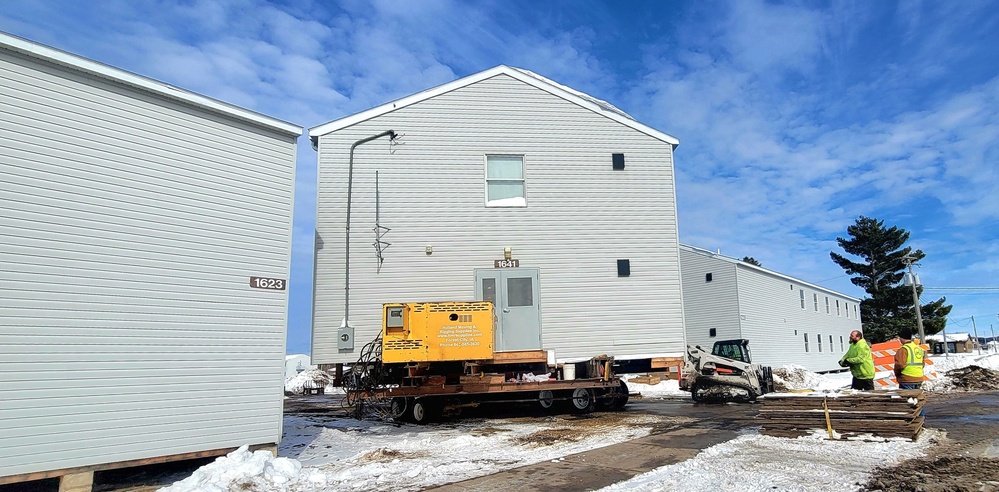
<point x="750" y="266"/>
<point x="589" y="102"/>
<point x="122" y="77"/>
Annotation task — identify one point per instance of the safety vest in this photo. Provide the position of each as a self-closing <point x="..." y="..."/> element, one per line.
<point x="914" y="365"/>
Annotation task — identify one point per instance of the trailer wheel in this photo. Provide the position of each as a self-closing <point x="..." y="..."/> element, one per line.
<point x="425" y="411"/>
<point x="546" y="399"/>
<point x="582" y="400"/>
<point x="621" y="399"/>
<point x="400" y="407"/>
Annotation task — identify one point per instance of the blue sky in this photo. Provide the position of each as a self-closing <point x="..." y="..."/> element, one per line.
<point x="794" y="118"/>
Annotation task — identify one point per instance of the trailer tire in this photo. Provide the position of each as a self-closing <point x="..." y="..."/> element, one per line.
<point x="582" y="401"/>
<point x="425" y="410"/>
<point x="546" y="399"/>
<point x="400" y="408"/>
<point x="621" y="399"/>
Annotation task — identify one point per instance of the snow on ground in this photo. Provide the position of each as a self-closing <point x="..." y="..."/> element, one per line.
<point x="350" y="455"/>
<point x="319" y="453"/>
<point x="942" y="364"/>
<point x="753" y="462"/>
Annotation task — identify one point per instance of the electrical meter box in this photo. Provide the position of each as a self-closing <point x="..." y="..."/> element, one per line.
<point x="437" y="331"/>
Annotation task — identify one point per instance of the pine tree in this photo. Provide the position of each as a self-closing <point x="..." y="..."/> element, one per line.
<point x="751" y="261"/>
<point x="889" y="308"/>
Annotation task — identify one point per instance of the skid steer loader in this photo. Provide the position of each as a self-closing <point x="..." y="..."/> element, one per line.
<point x="726" y="374"/>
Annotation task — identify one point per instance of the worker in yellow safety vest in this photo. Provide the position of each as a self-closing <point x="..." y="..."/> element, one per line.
<point x="909" y="362"/>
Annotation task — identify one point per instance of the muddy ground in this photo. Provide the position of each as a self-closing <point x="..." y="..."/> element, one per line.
<point x="971" y="421"/>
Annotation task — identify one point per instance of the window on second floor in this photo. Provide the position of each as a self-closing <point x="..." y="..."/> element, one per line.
<point x="837" y="307"/>
<point x="815" y="301"/>
<point x="827" y="305"/>
<point x="505" y="185"/>
<point x="801" y="294"/>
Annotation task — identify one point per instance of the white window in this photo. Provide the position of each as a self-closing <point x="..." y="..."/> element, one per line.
<point x="818" y="338"/>
<point x="831" y="349"/>
<point x="841" y="348"/>
<point x="815" y="301"/>
<point x="505" y="181"/>
<point x="801" y="293"/>
<point x="855" y="315"/>
<point x="827" y="307"/>
<point x="846" y="309"/>
<point x="806" y="342"/>
<point x="837" y="307"/>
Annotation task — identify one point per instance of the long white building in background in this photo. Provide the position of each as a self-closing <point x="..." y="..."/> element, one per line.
<point x="145" y="248"/>
<point x="509" y="187"/>
<point x="786" y="320"/>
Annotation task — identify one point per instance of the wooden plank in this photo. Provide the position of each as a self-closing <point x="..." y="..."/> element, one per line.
<point x="518" y="357"/>
<point x="666" y="362"/>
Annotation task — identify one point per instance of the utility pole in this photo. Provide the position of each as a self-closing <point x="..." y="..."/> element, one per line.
<point x="973" y="325"/>
<point x="915" y="300"/>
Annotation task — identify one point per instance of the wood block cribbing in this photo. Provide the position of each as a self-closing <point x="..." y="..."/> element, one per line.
<point x="892" y="413"/>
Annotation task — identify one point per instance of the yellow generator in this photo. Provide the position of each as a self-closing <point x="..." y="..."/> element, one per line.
<point x="437" y="331"/>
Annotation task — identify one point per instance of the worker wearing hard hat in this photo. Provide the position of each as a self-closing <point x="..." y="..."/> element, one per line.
<point x="909" y="361"/>
<point x="859" y="360"/>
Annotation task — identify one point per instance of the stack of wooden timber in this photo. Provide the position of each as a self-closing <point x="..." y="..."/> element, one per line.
<point x="893" y="413"/>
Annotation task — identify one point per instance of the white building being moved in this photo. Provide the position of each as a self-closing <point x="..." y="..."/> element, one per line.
<point x="509" y="187"/>
<point x="145" y="249"/>
<point x="786" y="320"/>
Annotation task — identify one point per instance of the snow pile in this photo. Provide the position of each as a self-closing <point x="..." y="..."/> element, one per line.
<point x="963" y="372"/>
<point x="664" y="389"/>
<point x="794" y="377"/>
<point x="296" y="385"/>
<point x="753" y="462"/>
<point x="241" y="470"/>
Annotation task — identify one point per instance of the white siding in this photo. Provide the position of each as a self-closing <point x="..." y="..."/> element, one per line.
<point x="131" y="225"/>
<point x="581" y="217"/>
<point x="775" y="324"/>
<point x="708" y="305"/>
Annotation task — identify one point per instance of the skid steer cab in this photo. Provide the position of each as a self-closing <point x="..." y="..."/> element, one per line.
<point x="726" y="374"/>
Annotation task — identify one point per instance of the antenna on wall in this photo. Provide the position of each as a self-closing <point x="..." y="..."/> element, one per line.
<point x="379" y="230"/>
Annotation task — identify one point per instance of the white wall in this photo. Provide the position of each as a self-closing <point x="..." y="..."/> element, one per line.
<point x="132" y="224"/>
<point x="709" y="305"/>
<point x="581" y="217"/>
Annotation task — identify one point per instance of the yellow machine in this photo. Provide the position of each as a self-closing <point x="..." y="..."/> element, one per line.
<point x="437" y="331"/>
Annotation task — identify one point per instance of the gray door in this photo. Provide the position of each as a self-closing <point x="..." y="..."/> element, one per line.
<point x="515" y="293"/>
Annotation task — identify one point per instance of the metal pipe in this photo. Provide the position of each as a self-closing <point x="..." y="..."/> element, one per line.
<point x="346" y="251"/>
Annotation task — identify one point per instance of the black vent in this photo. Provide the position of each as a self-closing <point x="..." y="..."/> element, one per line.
<point x="712" y="332"/>
<point x="707" y="277"/>
<point x="623" y="268"/>
<point x="618" y="161"/>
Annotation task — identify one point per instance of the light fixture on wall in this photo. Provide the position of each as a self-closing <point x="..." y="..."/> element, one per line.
<point x="507" y="253"/>
<point x="430" y="250"/>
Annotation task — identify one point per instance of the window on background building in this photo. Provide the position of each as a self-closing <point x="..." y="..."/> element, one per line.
<point x="846" y="308"/>
<point x="815" y="301"/>
<point x="831" y="349"/>
<point x="801" y="293"/>
<point x="818" y="338"/>
<point x="855" y="315"/>
<point x="827" y="306"/>
<point x="505" y="185"/>
<point x="806" y="343"/>
<point x="842" y="348"/>
<point x="837" y="307"/>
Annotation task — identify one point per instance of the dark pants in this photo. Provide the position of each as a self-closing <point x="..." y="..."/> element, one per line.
<point x="909" y="386"/>
<point x="863" y="384"/>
